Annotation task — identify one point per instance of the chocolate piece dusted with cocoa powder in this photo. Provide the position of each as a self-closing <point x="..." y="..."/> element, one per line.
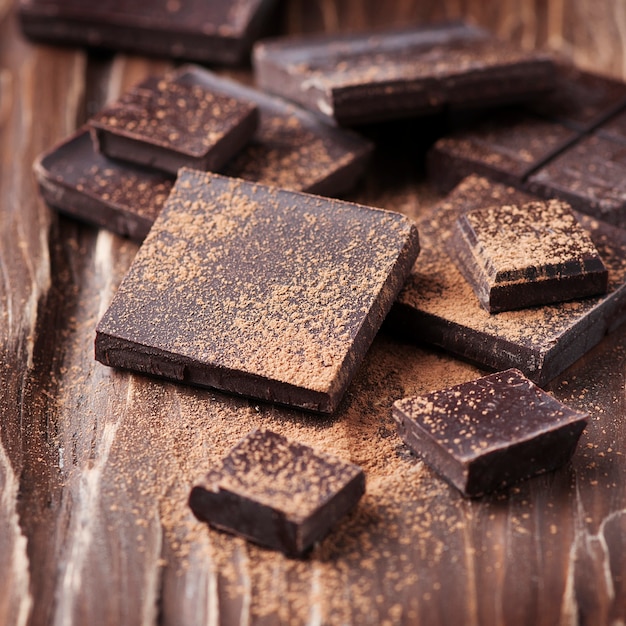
<point x="437" y="305"/>
<point x="491" y="432"/>
<point x="517" y="256"/>
<point x="171" y="123"/>
<point x="360" y="78"/>
<point x="77" y="180"/>
<point x="277" y="493"/>
<point x="258" y="291"/>
<point x="292" y="148"/>
<point x="591" y="176"/>
<point x="220" y="31"/>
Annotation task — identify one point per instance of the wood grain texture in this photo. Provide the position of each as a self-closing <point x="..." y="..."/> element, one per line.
<point x="96" y="465"/>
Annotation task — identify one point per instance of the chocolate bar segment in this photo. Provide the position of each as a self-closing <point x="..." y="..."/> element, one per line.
<point x="277" y="493"/>
<point x="361" y="78"/>
<point x="168" y="124"/>
<point x="220" y="31"/>
<point x="489" y="433"/>
<point x="517" y="256"/>
<point x="438" y="306"/>
<point x="258" y="291"/>
<point x="591" y="176"/>
<point x="80" y="182"/>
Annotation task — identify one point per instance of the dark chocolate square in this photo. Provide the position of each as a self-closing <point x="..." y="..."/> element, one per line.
<point x="219" y="31"/>
<point x="172" y="123"/>
<point x="516" y="256"/>
<point x="258" y="291"/>
<point x="367" y="77"/>
<point x="437" y="305"/>
<point x="491" y="432"/>
<point x="277" y="493"/>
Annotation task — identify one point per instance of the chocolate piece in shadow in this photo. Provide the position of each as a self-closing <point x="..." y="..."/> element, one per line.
<point x="170" y="123"/>
<point x="491" y="432"/>
<point x="437" y="305"/>
<point x="591" y="176"/>
<point x="77" y="180"/>
<point x="359" y="78"/>
<point x="277" y="493"/>
<point x="292" y="148"/>
<point x="220" y="31"/>
<point x="517" y="256"/>
<point x="258" y="291"/>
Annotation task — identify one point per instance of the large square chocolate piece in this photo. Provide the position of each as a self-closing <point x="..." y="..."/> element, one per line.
<point x="278" y="493"/>
<point x="488" y="433"/>
<point x="174" y="122"/>
<point x="516" y="256"/>
<point x="258" y="291"/>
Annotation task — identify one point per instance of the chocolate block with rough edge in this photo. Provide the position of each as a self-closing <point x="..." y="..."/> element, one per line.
<point x="362" y="78"/>
<point x="292" y="148"/>
<point x="517" y="256"/>
<point x="489" y="433"/>
<point x="220" y="31"/>
<point x="258" y="291"/>
<point x="277" y="493"/>
<point x="506" y="147"/>
<point x="171" y="123"/>
<point x="591" y="176"/>
<point x="437" y="306"/>
<point x="80" y="182"/>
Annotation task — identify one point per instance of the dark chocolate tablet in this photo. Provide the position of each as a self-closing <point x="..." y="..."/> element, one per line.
<point x="278" y="493"/>
<point x="172" y="123"/>
<point x="437" y="305"/>
<point x="77" y="180"/>
<point x="361" y="78"/>
<point x="220" y="31"/>
<point x="258" y="291"/>
<point x="516" y="256"/>
<point x="491" y="432"/>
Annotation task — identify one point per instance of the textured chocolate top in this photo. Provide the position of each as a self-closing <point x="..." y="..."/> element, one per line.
<point x="476" y="418"/>
<point x="179" y="115"/>
<point x="538" y="239"/>
<point x="442" y="308"/>
<point x="281" y="474"/>
<point x="264" y="283"/>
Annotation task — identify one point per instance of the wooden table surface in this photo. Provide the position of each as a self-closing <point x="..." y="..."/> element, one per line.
<point x="96" y="465"/>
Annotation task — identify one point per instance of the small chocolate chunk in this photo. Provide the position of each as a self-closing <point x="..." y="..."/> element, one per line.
<point x="277" y="493"/>
<point x="220" y="31"/>
<point x="438" y="306"/>
<point x="360" y="78"/>
<point x="516" y="256"/>
<point x="172" y="123"/>
<point x="591" y="176"/>
<point x="258" y="291"/>
<point x="488" y="433"/>
<point x="77" y="180"/>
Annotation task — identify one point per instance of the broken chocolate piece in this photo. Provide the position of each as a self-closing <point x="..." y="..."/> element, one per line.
<point x="221" y="31"/>
<point x="172" y="123"/>
<point x="437" y="305"/>
<point x="360" y="78"/>
<point x="491" y="432"/>
<point x="77" y="180"/>
<point x="258" y="291"/>
<point x="277" y="493"/>
<point x="517" y="256"/>
<point x="591" y="176"/>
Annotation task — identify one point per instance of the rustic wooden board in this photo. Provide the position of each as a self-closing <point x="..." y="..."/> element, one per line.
<point x="96" y="465"/>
